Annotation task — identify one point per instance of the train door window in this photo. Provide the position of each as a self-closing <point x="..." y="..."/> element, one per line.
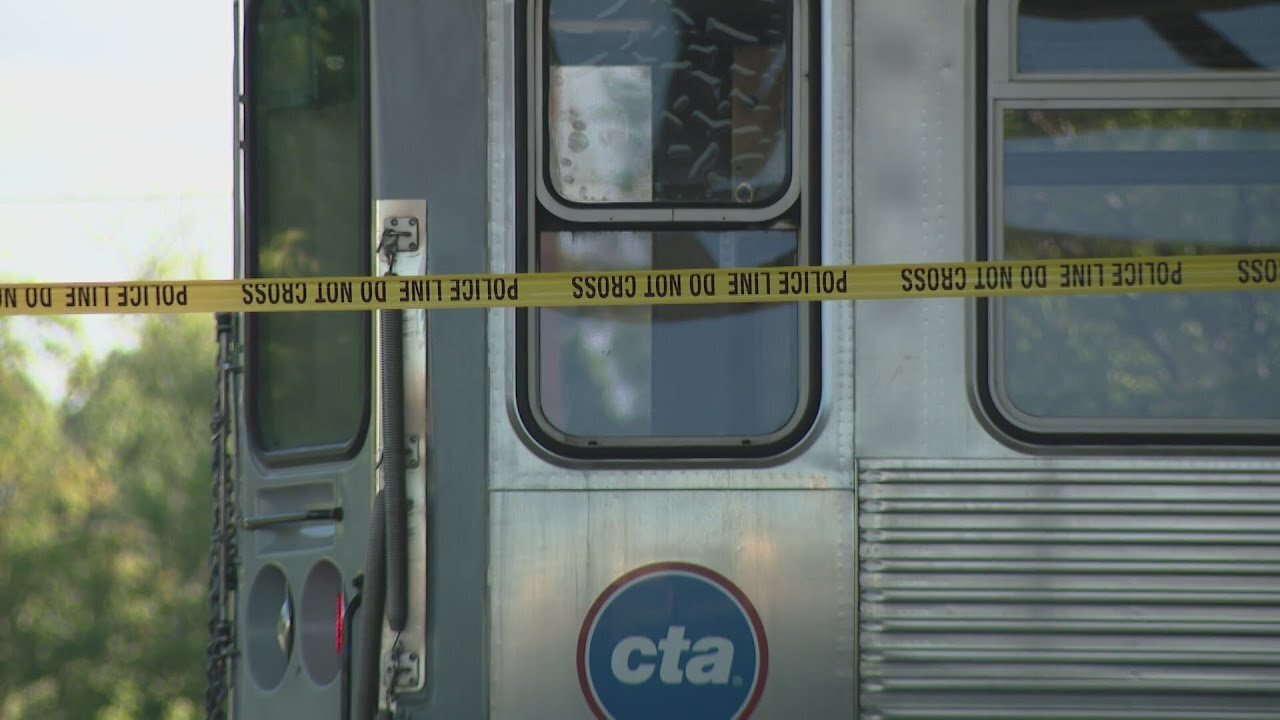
<point x="667" y="136"/>
<point x="1155" y="132"/>
<point x="674" y="103"/>
<point x="308" y="214"/>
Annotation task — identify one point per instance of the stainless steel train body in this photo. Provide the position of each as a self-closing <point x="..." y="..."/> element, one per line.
<point x="1043" y="508"/>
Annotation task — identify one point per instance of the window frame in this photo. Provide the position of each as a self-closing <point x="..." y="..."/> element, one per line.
<point x="253" y="182"/>
<point x="1001" y="87"/>
<point x="538" y="210"/>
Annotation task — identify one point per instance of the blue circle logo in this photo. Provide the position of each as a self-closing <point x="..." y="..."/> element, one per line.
<point x="672" y="640"/>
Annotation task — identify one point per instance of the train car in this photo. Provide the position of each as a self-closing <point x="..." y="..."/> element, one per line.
<point x="1044" y="507"/>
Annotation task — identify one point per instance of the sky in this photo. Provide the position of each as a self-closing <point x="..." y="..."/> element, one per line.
<point x="115" y="149"/>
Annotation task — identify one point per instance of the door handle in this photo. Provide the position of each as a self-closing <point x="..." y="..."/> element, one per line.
<point x="258" y="522"/>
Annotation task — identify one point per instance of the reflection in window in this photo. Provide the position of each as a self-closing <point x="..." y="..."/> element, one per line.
<point x="674" y="102"/>
<point x="308" y="216"/>
<point x="673" y="371"/>
<point x="1101" y="183"/>
<point x="1070" y="36"/>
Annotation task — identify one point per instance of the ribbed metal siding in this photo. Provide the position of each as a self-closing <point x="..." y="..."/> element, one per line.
<point x="993" y="592"/>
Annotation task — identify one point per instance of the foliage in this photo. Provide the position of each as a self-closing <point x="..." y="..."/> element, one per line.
<point x="104" y="531"/>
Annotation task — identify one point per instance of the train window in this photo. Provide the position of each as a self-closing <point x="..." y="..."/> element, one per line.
<point x="680" y="370"/>
<point x="667" y="136"/>
<point x="1094" y="167"/>
<point x="307" y="142"/>
<point x="676" y="103"/>
<point x="1175" y="36"/>
<point x="1142" y="184"/>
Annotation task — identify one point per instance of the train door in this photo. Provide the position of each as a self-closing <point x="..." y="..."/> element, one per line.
<point x="306" y="454"/>
<point x="322" y="139"/>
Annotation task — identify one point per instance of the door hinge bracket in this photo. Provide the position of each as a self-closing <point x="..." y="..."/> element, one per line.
<point x="412" y="452"/>
<point x="402" y="670"/>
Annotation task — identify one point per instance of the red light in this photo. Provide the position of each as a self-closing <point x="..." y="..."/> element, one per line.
<point x="339" y="625"/>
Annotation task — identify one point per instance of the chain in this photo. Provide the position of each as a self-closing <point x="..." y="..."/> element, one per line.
<point x="223" y="558"/>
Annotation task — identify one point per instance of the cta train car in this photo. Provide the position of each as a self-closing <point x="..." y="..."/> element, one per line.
<point x="1045" y="507"/>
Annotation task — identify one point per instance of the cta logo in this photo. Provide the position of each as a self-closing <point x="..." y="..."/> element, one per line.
<point x="674" y="641"/>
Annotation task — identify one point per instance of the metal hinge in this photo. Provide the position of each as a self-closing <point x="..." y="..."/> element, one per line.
<point x="402" y="670"/>
<point x="412" y="452"/>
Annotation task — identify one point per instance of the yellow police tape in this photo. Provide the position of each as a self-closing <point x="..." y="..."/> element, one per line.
<point x="1091" y="276"/>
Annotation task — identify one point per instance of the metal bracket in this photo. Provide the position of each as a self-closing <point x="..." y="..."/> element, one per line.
<point x="402" y="670"/>
<point x="406" y="231"/>
<point x="412" y="453"/>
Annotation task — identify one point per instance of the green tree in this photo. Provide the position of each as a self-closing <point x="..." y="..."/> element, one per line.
<point x="104" y="531"/>
<point x="48" y="509"/>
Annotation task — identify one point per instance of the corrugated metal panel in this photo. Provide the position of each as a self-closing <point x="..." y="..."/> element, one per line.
<point x="1069" y="593"/>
